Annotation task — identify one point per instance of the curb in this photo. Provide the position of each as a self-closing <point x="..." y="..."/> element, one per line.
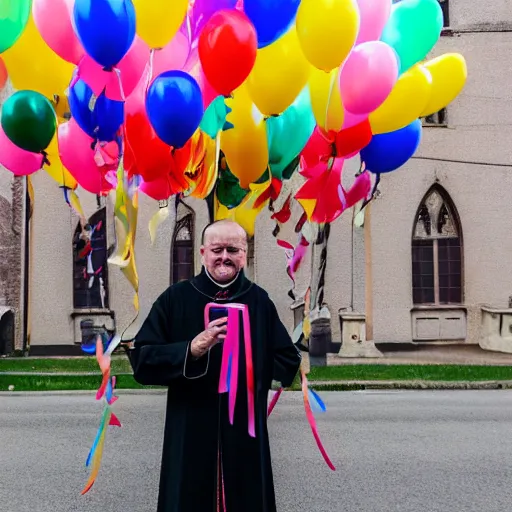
<point x="410" y="384"/>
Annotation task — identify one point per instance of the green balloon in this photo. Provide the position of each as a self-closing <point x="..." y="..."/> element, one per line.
<point x="229" y="192"/>
<point x="288" y="133"/>
<point x="214" y="118"/>
<point x="413" y="29"/>
<point x="14" y="16"/>
<point x="28" y="119"/>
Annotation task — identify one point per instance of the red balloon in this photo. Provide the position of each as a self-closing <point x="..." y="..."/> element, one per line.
<point x="3" y="73"/>
<point x="227" y="50"/>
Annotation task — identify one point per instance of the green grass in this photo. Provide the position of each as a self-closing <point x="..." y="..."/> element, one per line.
<point x="411" y="372"/>
<point x="58" y="383"/>
<point x="120" y="364"/>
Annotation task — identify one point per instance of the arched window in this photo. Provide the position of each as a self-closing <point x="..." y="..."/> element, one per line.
<point x="90" y="270"/>
<point x="437" y="271"/>
<point x="182" y="263"/>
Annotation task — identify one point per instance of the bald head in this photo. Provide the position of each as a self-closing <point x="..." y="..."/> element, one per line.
<point x="224" y="228"/>
<point x="224" y="250"/>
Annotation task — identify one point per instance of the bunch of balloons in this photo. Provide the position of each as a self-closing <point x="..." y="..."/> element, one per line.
<point x="168" y="89"/>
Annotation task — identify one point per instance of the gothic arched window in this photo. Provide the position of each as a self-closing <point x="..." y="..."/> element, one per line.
<point x="437" y="270"/>
<point x="182" y="263"/>
<point x="90" y="270"/>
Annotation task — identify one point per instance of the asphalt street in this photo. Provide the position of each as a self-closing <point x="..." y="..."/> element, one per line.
<point x="407" y="451"/>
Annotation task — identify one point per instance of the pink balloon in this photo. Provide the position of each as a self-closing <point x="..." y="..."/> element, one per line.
<point x="193" y="68"/>
<point x="172" y="56"/>
<point x="351" y="120"/>
<point x="77" y="157"/>
<point x="374" y="16"/>
<point x="130" y="69"/>
<point x="17" y="160"/>
<point x="53" y="20"/>
<point x="368" y="76"/>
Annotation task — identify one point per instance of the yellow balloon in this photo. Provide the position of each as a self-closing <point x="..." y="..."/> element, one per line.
<point x="326" y="100"/>
<point x="245" y="145"/>
<point x="405" y="103"/>
<point x="33" y="65"/>
<point x="327" y="30"/>
<point x="159" y="20"/>
<point x="449" y="74"/>
<point x="56" y="169"/>
<point x="280" y="73"/>
<point x="245" y="213"/>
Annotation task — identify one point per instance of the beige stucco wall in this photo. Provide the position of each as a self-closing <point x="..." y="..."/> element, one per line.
<point x="479" y="130"/>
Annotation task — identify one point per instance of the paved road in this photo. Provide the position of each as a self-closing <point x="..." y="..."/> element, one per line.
<point x="407" y="451"/>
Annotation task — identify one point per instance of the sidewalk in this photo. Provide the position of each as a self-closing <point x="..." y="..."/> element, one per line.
<point x="429" y="354"/>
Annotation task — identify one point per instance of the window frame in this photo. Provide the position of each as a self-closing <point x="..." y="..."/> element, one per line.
<point x="433" y="239"/>
<point x="187" y="222"/>
<point x="99" y="215"/>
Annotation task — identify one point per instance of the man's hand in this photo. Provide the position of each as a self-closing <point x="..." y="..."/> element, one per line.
<point x="214" y="333"/>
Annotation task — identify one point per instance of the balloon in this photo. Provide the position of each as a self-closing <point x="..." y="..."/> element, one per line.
<point x="29" y="120"/>
<point x="279" y="74"/>
<point x="389" y="151"/>
<point x="227" y="50"/>
<point x="326" y="99"/>
<point x="172" y="56"/>
<point x="145" y="153"/>
<point x="413" y="29"/>
<point x="100" y="118"/>
<point x="13" y="19"/>
<point x="245" y="145"/>
<point x="53" y="20"/>
<point x="368" y="77"/>
<point x="374" y="15"/>
<point x="159" y="190"/>
<point x="175" y="107"/>
<point x="34" y="66"/>
<point x="270" y="18"/>
<point x="194" y="69"/>
<point x="17" y="160"/>
<point x="214" y="119"/>
<point x="106" y="28"/>
<point x="352" y="119"/>
<point x="228" y="190"/>
<point x="113" y="86"/>
<point x="288" y="133"/>
<point x="406" y="102"/>
<point x="3" y="74"/>
<point x="202" y="10"/>
<point x="327" y="31"/>
<point x="159" y="20"/>
<point x="449" y="73"/>
<point x="77" y="155"/>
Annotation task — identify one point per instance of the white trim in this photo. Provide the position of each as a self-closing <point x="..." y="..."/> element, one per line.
<point x="185" y="365"/>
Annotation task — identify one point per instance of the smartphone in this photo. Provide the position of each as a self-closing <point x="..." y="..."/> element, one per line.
<point x="217" y="312"/>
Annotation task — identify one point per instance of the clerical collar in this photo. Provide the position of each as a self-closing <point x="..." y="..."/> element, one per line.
<point x="221" y="285"/>
<point x="207" y="286"/>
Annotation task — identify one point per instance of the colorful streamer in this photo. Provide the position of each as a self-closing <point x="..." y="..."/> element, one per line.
<point x="228" y="382"/>
<point x="108" y="418"/>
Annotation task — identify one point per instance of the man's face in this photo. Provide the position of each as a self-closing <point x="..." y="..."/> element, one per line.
<point x="224" y="251"/>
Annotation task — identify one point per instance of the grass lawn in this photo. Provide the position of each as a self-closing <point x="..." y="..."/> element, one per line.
<point x="121" y="365"/>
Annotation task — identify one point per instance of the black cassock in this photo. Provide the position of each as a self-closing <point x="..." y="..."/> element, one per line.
<point x="209" y="465"/>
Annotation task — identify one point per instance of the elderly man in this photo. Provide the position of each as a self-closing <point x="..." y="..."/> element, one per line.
<point x="210" y="464"/>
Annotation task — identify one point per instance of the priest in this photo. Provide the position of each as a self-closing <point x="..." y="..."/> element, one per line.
<point x="209" y="463"/>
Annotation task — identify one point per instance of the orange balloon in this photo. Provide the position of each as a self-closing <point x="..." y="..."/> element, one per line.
<point x="3" y="73"/>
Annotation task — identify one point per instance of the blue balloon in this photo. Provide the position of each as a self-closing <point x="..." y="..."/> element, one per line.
<point x="99" y="117"/>
<point x="389" y="151"/>
<point x="271" y="18"/>
<point x="106" y="28"/>
<point x="174" y="105"/>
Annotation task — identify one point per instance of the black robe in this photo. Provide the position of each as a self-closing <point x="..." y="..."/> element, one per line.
<point x="205" y="459"/>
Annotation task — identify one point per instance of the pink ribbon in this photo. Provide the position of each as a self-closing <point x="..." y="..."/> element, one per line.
<point x="230" y="357"/>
